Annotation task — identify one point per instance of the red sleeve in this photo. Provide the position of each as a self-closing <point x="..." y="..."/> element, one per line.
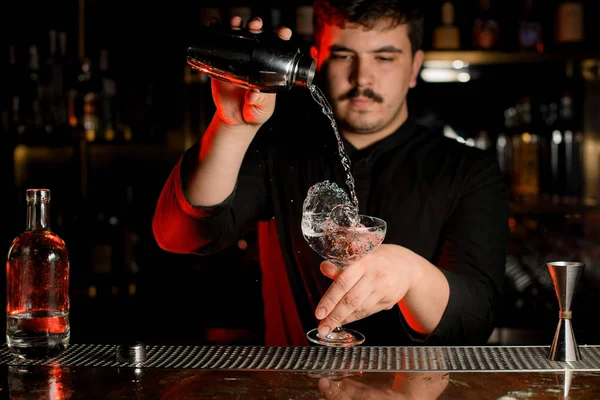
<point x="175" y="223"/>
<point x="180" y="227"/>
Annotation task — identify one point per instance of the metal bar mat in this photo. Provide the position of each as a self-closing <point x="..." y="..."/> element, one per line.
<point x="362" y="358"/>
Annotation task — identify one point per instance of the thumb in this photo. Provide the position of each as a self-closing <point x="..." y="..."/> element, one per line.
<point x="258" y="106"/>
<point x="329" y="269"/>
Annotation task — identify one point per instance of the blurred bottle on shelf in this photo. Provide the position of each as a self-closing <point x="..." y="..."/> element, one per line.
<point x="486" y="28"/>
<point x="104" y="246"/>
<point x="30" y="120"/>
<point x="46" y="90"/>
<point x="68" y="64"/>
<point x="131" y="244"/>
<point x="572" y="117"/>
<point x="530" y="32"/>
<point x="84" y="107"/>
<point x="304" y="26"/>
<point x="569" y="25"/>
<point x="504" y="145"/>
<point x="54" y="106"/>
<point x="109" y="99"/>
<point x="41" y="90"/>
<point x="11" y="97"/>
<point x="549" y="142"/>
<point x="572" y="136"/>
<point x="525" y="177"/>
<point x="447" y="35"/>
<point x="71" y="66"/>
<point x="114" y="245"/>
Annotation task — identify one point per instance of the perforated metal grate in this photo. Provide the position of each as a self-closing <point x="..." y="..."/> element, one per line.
<point x="360" y="358"/>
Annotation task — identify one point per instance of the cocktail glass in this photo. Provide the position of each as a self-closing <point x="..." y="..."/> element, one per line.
<point x="342" y="246"/>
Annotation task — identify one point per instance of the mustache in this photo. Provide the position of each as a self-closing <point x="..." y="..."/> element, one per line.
<point x="356" y="92"/>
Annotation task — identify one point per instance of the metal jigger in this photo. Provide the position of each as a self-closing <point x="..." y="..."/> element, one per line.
<point x="565" y="277"/>
<point x="564" y="381"/>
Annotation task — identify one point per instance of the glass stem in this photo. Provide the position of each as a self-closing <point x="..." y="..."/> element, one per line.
<point x="340" y="267"/>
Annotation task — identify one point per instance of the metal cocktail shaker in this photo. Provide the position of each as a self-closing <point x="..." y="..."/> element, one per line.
<point x="260" y="61"/>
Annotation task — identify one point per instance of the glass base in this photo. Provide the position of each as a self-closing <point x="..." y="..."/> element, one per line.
<point x="339" y="337"/>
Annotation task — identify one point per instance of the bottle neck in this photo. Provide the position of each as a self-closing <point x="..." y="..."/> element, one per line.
<point x="38" y="215"/>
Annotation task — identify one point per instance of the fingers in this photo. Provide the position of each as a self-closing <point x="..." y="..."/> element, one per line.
<point x="344" y="297"/>
<point x="254" y="25"/>
<point x="284" y="33"/>
<point x="336" y="292"/>
<point x="330" y="270"/>
<point x="261" y="101"/>
<point x="236" y="22"/>
<point x="257" y="105"/>
<point x="371" y="305"/>
<point x="348" y="309"/>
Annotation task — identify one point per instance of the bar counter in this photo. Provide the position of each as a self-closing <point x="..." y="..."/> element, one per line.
<point x="254" y="372"/>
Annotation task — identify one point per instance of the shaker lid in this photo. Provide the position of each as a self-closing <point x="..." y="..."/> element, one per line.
<point x="305" y="71"/>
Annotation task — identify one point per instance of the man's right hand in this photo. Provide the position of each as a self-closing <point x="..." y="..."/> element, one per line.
<point x="238" y="106"/>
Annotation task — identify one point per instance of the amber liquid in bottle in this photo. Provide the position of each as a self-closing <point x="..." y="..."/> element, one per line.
<point x="37" y="286"/>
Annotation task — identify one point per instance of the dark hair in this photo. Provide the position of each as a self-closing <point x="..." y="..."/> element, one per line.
<point x="367" y="13"/>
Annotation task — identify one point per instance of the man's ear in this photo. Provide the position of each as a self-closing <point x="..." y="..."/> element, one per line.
<point x="314" y="52"/>
<point x="416" y="67"/>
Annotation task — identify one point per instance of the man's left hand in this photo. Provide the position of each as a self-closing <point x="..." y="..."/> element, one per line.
<point x="375" y="283"/>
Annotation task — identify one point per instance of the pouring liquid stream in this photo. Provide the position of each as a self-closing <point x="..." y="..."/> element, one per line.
<point x="321" y="100"/>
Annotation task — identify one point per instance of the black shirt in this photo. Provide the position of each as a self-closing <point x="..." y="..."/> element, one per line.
<point x="441" y="199"/>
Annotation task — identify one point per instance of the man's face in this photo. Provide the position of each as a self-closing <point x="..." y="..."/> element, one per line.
<point x="368" y="74"/>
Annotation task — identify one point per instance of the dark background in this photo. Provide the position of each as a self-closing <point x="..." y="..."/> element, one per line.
<point x="104" y="192"/>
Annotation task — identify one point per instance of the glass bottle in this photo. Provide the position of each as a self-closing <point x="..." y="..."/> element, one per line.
<point x="548" y="150"/>
<point x="486" y="29"/>
<point x="447" y="35"/>
<point x="29" y="101"/>
<point x="504" y="148"/>
<point x="108" y="97"/>
<point x="530" y="29"/>
<point x="572" y="135"/>
<point x="37" y="285"/>
<point x="569" y="29"/>
<point x="571" y="122"/>
<point x="525" y="179"/>
<point x="304" y="25"/>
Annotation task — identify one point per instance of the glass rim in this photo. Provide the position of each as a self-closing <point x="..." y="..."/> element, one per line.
<point x="35" y="194"/>
<point x="565" y="263"/>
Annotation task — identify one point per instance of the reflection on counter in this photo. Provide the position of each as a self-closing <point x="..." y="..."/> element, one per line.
<point x="55" y="382"/>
